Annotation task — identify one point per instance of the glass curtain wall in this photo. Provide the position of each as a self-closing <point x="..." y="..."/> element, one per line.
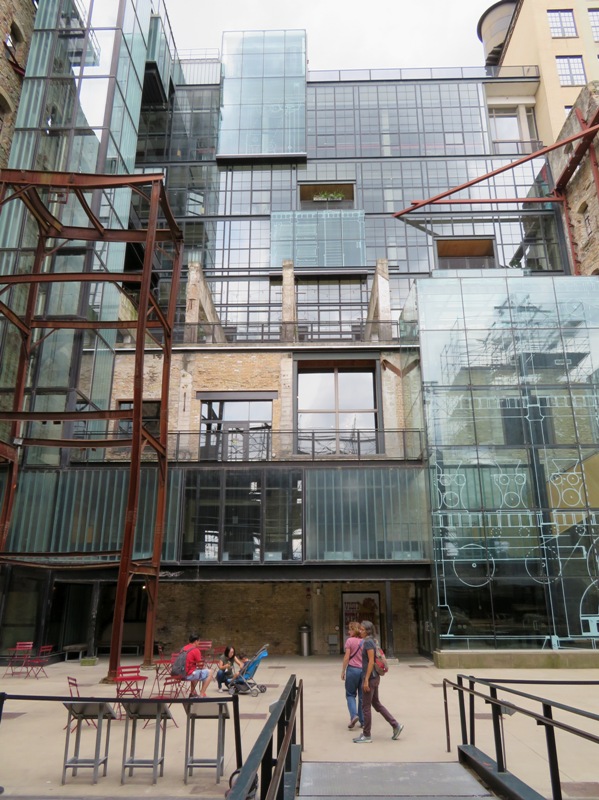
<point x="510" y="381"/>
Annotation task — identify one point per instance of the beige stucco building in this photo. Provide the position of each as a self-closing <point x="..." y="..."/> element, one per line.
<point x="562" y="39"/>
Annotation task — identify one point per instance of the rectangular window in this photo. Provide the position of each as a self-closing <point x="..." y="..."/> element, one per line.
<point x="336" y="409"/>
<point x="561" y="24"/>
<point x="236" y="429"/>
<point x="594" y="20"/>
<point x="570" y="70"/>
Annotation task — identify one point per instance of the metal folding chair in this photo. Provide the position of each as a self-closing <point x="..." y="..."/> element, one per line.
<point x="36" y="664"/>
<point x="18" y="657"/>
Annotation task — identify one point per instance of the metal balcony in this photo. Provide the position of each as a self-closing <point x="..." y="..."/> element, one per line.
<point x="244" y="444"/>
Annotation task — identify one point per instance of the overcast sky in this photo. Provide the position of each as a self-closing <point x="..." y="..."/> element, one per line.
<point x="345" y="35"/>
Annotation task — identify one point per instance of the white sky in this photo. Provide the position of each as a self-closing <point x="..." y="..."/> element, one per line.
<point x="354" y="34"/>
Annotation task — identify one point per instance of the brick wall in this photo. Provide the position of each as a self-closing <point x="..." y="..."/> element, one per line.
<point x="249" y="615"/>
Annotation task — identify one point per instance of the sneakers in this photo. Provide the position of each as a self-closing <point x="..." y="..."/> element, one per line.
<point x="352" y="723"/>
<point x="363" y="739"/>
<point x="220" y="689"/>
<point x="396" y="731"/>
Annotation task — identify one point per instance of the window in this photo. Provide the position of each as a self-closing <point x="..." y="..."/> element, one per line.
<point x="336" y="409"/>
<point x="594" y="20"/>
<point x="474" y="253"/>
<point x="561" y="24"/>
<point x="150" y="418"/>
<point x="236" y="429"/>
<point x="570" y="70"/>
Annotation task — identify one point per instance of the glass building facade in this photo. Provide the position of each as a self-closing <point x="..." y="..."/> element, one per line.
<point x="431" y="418"/>
<point x="509" y="375"/>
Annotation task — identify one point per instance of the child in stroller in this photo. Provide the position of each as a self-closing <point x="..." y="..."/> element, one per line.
<point x="243" y="682"/>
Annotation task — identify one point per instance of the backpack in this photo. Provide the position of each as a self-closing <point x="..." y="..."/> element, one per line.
<point x="178" y="666"/>
<point x="380" y="661"/>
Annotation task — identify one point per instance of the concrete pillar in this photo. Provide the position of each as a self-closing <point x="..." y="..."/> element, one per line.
<point x="289" y="304"/>
<point x="378" y="327"/>
<point x="199" y="306"/>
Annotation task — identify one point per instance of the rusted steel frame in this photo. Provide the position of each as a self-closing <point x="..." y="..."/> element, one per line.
<point x="8" y="500"/>
<point x="88" y="212"/>
<point x="162" y="321"/>
<point x="154" y="443"/>
<point x="51" y="225"/>
<point x="579" y="151"/>
<point x="138" y="235"/>
<point x="144" y="568"/>
<point x="12" y="317"/>
<point x="84" y="180"/>
<point x="152" y="582"/>
<point x="16" y="195"/>
<point x="79" y="324"/>
<point x="124" y="574"/>
<point x="471" y="202"/>
<point x="79" y="444"/>
<point x="537" y="154"/>
<point x="73" y="277"/>
<point x="61" y="416"/>
<point x="7" y="452"/>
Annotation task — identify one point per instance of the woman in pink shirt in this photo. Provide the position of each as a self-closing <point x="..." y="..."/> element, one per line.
<point x="351" y="673"/>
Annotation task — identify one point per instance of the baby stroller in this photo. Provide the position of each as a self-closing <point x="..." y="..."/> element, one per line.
<point x="243" y="682"/>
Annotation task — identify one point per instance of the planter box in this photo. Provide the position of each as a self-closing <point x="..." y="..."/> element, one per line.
<point x="89" y="661"/>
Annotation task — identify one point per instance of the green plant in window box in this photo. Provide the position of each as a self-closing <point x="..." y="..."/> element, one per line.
<point x="328" y="196"/>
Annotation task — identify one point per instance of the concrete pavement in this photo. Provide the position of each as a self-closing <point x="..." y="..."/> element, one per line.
<point x="32" y="735"/>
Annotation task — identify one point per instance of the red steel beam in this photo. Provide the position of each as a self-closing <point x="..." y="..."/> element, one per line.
<point x="537" y="154"/>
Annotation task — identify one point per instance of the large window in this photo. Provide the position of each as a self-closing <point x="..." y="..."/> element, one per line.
<point x="561" y="24"/>
<point x="570" y="70"/>
<point x="594" y="20"/>
<point x="236" y="428"/>
<point x="336" y="409"/>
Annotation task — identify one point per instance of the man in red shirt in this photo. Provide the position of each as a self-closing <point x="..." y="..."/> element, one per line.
<point x="193" y="666"/>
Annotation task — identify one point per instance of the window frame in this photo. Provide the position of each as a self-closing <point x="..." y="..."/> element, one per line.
<point x="561" y="23"/>
<point x="570" y="62"/>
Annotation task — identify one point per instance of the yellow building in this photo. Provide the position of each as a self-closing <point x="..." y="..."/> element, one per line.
<point x="562" y="39"/>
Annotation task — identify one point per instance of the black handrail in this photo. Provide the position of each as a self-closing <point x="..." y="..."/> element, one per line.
<point x="278" y="764"/>
<point x="497" y="775"/>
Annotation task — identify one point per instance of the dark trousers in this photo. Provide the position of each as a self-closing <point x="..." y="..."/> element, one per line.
<point x="371" y="700"/>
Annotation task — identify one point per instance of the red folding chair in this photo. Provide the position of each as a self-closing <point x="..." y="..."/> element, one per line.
<point x="36" y="664"/>
<point x="129" y="683"/>
<point x="74" y="692"/>
<point x="18" y="656"/>
<point x="172" y="688"/>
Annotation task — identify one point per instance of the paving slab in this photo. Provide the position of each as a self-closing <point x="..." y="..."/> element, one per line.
<point x="32" y="734"/>
<point x="325" y="780"/>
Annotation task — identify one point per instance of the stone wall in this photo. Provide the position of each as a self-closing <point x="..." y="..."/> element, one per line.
<point x="582" y="193"/>
<point x="18" y="14"/>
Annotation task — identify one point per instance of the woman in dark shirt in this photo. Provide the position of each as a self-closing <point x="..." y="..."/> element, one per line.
<point x="370" y="687"/>
<point x="226" y="667"/>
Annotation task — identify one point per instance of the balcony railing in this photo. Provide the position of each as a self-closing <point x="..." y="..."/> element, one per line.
<point x="292" y="332"/>
<point x="426" y="73"/>
<point x="236" y="444"/>
<point x="520" y="147"/>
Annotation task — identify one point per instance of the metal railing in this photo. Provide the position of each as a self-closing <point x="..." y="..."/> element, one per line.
<point x="426" y="73"/>
<point x="495" y="773"/>
<point x="356" y="331"/>
<point x="222" y="443"/>
<point x="276" y="755"/>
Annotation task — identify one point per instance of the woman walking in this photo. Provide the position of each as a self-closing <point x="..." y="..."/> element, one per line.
<point x="370" y="687"/>
<point x="351" y="673"/>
